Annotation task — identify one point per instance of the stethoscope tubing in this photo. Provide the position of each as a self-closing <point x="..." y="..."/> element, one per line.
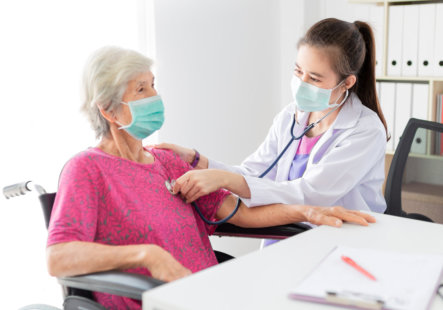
<point x="293" y="138"/>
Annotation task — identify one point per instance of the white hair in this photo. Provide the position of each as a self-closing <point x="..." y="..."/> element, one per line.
<point x="105" y="79"/>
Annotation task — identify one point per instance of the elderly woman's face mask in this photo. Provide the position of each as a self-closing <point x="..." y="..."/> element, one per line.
<point x="147" y="117"/>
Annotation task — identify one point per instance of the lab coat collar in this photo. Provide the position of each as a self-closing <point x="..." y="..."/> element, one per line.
<point x="347" y="117"/>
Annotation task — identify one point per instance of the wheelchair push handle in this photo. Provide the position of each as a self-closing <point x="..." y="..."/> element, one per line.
<point x="21" y="189"/>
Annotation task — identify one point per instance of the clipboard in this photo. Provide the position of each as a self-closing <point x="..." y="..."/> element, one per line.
<point x="403" y="281"/>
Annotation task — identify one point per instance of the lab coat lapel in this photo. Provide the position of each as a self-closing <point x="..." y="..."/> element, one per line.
<point x="347" y="118"/>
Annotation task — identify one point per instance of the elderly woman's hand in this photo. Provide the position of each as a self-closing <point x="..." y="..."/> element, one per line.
<point x="335" y="216"/>
<point x="163" y="265"/>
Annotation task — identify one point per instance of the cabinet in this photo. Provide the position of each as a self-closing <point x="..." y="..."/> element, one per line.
<point x="408" y="83"/>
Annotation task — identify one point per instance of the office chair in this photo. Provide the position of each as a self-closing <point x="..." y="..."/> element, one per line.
<point x="77" y="290"/>
<point x="421" y="132"/>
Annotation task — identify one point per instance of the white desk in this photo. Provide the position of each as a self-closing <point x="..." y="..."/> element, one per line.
<point x="263" y="279"/>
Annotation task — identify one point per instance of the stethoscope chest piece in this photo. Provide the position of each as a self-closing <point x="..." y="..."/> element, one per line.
<point x="169" y="185"/>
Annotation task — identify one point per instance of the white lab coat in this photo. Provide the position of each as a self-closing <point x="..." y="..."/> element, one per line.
<point x="345" y="167"/>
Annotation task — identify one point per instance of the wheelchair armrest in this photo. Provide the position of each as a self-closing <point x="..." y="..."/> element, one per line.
<point x="113" y="282"/>
<point x="274" y="232"/>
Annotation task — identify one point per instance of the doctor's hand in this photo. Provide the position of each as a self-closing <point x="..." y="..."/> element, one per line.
<point x="335" y="216"/>
<point x="196" y="183"/>
<point x="185" y="154"/>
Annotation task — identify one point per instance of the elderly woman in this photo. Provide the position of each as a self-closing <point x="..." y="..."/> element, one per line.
<point x="112" y="209"/>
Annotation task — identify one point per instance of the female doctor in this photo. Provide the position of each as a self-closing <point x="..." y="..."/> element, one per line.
<point x="334" y="132"/>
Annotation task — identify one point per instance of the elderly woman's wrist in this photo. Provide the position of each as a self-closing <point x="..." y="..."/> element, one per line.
<point x="148" y="255"/>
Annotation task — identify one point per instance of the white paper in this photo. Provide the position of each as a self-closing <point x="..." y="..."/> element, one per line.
<point x="403" y="281"/>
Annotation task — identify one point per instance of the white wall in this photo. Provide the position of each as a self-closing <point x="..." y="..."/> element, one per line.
<point x="44" y="46"/>
<point x="217" y="66"/>
<point x="220" y="70"/>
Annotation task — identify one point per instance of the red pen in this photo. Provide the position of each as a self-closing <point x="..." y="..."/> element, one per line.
<point x="350" y="262"/>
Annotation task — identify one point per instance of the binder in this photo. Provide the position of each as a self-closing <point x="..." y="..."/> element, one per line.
<point x="387" y="103"/>
<point x="426" y="31"/>
<point x="376" y="18"/>
<point x="403" y="281"/>
<point x="410" y="40"/>
<point x="438" y="41"/>
<point x="420" y="110"/>
<point x="439" y="119"/>
<point x="395" y="38"/>
<point x="403" y="104"/>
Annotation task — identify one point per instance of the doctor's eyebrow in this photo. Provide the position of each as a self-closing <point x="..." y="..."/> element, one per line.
<point x="311" y="73"/>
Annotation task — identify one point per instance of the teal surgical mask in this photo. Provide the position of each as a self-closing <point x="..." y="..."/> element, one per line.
<point x="147" y="117"/>
<point x="310" y="98"/>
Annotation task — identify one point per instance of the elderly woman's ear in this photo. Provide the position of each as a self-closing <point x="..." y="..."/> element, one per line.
<point x="108" y="115"/>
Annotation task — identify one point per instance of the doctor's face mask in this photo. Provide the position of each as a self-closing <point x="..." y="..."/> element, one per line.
<point x="310" y="98"/>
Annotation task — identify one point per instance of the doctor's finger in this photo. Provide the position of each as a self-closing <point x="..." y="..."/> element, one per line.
<point x="320" y="218"/>
<point x="329" y="220"/>
<point x="168" y="146"/>
<point x="188" y="186"/>
<point x="195" y="196"/>
<point x="191" y="193"/>
<point x="180" y="183"/>
<point x="348" y="216"/>
<point x="369" y="218"/>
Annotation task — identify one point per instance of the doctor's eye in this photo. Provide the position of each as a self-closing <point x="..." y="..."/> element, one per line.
<point x="314" y="80"/>
<point x="141" y="89"/>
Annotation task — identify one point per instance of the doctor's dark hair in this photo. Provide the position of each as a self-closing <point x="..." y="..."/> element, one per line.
<point x="352" y="51"/>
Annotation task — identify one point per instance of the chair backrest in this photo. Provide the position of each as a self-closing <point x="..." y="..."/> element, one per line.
<point x="47" y="201"/>
<point x="426" y="133"/>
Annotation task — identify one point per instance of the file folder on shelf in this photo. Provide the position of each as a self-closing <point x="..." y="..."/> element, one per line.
<point x="395" y="38"/>
<point x="387" y="103"/>
<point x="426" y="31"/>
<point x="403" y="104"/>
<point x="438" y="41"/>
<point x="410" y="40"/>
<point x="376" y="19"/>
<point x="439" y="119"/>
<point x="420" y="111"/>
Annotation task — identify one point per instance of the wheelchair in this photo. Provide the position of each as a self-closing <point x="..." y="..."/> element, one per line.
<point x="77" y="290"/>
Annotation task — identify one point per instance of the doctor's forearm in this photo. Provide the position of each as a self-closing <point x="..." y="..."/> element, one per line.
<point x="262" y="216"/>
<point x="236" y="183"/>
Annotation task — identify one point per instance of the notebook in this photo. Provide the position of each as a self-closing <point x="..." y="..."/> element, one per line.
<point x="403" y="281"/>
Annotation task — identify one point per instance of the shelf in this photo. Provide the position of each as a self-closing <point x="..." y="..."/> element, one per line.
<point x="394" y="1"/>
<point x="426" y="79"/>
<point x="426" y="156"/>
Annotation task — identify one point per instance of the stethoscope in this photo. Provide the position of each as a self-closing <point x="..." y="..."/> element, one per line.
<point x="293" y="138"/>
